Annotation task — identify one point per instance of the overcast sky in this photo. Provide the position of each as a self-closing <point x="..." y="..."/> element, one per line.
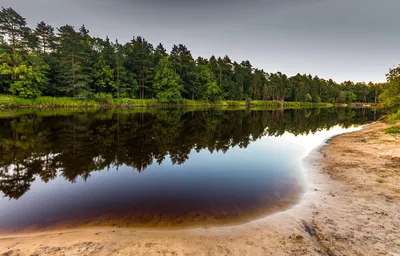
<point x="355" y="40"/>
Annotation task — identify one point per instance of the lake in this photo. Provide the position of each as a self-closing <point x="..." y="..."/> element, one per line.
<point x="157" y="168"/>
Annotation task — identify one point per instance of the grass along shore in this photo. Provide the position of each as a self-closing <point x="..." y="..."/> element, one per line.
<point x="10" y="101"/>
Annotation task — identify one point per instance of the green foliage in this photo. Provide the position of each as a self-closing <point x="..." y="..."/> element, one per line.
<point x="103" y="98"/>
<point x="45" y="101"/>
<point x="167" y="84"/>
<point x="394" y="129"/>
<point x="13" y="26"/>
<point x="103" y="76"/>
<point x="169" y="96"/>
<point x="45" y="37"/>
<point x="74" y="72"/>
<point x="29" y="83"/>
<point x="317" y="99"/>
<point x="347" y="97"/>
<point x="209" y="90"/>
<point x="62" y="102"/>
<point x="127" y="85"/>
<point x="390" y="97"/>
<point x="182" y="62"/>
<point x="308" y="97"/>
<point x="394" y="117"/>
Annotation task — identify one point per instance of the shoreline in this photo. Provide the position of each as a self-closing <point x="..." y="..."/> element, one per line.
<point x="44" y="102"/>
<point x="346" y="214"/>
<point x="267" y="105"/>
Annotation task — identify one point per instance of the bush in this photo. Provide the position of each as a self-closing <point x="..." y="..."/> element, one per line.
<point x="394" y="129"/>
<point x="393" y="118"/>
<point x="103" y="98"/>
<point x="169" y="96"/>
<point x="125" y="101"/>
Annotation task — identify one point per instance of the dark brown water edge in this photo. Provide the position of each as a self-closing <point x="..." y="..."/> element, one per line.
<point x="171" y="220"/>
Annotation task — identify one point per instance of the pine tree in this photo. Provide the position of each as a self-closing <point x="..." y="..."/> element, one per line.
<point x="159" y="53"/>
<point x="184" y="65"/>
<point x="72" y="76"/>
<point x="13" y="27"/>
<point x="45" y="37"/>
<point x="125" y="79"/>
<point x="139" y="61"/>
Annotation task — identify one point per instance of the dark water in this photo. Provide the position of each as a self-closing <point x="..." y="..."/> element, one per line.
<point x="156" y="168"/>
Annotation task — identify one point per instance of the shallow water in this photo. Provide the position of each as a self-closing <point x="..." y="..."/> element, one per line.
<point x="156" y="168"/>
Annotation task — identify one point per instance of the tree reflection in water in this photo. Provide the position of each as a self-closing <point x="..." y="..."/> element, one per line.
<point x="43" y="144"/>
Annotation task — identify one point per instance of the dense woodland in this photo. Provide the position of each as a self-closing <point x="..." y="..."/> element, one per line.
<point x="45" y="61"/>
<point x="48" y="144"/>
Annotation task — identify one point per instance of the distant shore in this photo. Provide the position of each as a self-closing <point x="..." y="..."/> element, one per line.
<point x="9" y="102"/>
<point x="351" y="208"/>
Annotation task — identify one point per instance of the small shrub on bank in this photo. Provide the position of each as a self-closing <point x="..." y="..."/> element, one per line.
<point x="103" y="98"/>
<point x="395" y="117"/>
<point x="394" y="129"/>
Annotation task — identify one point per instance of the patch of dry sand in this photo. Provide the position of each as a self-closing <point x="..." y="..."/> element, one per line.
<point x="352" y="207"/>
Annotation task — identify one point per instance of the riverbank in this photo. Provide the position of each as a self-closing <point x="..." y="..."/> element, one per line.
<point x="360" y="213"/>
<point x="351" y="208"/>
<point x="9" y="101"/>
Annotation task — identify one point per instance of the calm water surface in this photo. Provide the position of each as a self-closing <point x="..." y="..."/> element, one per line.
<point x="156" y="168"/>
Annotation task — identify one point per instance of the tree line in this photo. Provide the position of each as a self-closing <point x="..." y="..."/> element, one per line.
<point x="45" y="61"/>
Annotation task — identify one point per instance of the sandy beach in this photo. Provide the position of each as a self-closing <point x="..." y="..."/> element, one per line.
<point x="351" y="207"/>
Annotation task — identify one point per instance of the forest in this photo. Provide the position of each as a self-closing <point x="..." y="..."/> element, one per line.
<point x="69" y="62"/>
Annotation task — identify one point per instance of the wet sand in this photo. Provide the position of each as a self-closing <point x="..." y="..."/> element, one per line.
<point x="352" y="207"/>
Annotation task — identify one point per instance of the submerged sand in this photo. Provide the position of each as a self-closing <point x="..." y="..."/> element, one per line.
<point x="352" y="207"/>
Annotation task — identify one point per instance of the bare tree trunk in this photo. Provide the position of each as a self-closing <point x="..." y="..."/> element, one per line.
<point x="220" y="77"/>
<point x="73" y="73"/>
<point x="44" y="45"/>
<point x="118" y="82"/>
<point x="14" y="63"/>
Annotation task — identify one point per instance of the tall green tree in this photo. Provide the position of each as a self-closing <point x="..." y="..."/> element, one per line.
<point x="167" y="83"/>
<point x="209" y="90"/>
<point x="390" y="97"/>
<point x="29" y="83"/>
<point x="74" y="79"/>
<point x="139" y="60"/>
<point x="103" y="76"/>
<point x="125" y="79"/>
<point x="182" y="62"/>
<point x="13" y="26"/>
<point x="45" y="37"/>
